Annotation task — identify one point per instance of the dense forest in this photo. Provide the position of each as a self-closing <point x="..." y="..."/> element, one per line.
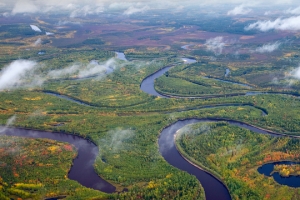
<point x="77" y="85"/>
<point x="233" y="154"/>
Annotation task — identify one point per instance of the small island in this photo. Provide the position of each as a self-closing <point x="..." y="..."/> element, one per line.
<point x="287" y="170"/>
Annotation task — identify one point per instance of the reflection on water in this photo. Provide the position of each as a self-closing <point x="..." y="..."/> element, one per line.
<point x="121" y="56"/>
<point x="186" y="47"/>
<point x="147" y="84"/>
<point x="188" y="60"/>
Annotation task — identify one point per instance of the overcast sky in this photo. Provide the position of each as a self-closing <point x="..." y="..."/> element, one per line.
<point x="70" y="3"/>
<point x="78" y="8"/>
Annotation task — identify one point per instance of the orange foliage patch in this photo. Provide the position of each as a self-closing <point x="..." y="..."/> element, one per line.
<point x="277" y="156"/>
<point x="68" y="147"/>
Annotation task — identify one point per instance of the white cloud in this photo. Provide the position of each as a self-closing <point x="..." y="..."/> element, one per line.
<point x="132" y="10"/>
<point x="14" y="75"/>
<point x="295" y="11"/>
<point x="83" y="71"/>
<point x="25" y="73"/>
<point x="268" y="48"/>
<point x="239" y="10"/>
<point x="37" y="42"/>
<point x="268" y="13"/>
<point x="291" y="24"/>
<point x="6" y="14"/>
<point x="71" y="6"/>
<point x="64" y="72"/>
<point x="24" y="6"/>
<point x="86" y="10"/>
<point x="35" y="28"/>
<point x="98" y="69"/>
<point x="296" y="73"/>
<point x="215" y="44"/>
<point x="116" y="140"/>
<point x="119" y="5"/>
<point x="9" y="122"/>
<point x="62" y="23"/>
<point x="75" y="6"/>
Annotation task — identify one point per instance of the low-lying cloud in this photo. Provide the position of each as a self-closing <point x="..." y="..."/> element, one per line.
<point x="287" y="24"/>
<point x="63" y="23"/>
<point x="59" y="73"/>
<point x="296" y="73"/>
<point x="239" y="10"/>
<point x="268" y="13"/>
<point x="15" y="75"/>
<point x="9" y="122"/>
<point x="215" y="44"/>
<point x="38" y="42"/>
<point x="116" y="140"/>
<point x="98" y="69"/>
<point x="82" y="71"/>
<point x="132" y="10"/>
<point x="191" y="130"/>
<point x="295" y="11"/>
<point x="25" y="73"/>
<point x="268" y="48"/>
<point x="86" y="10"/>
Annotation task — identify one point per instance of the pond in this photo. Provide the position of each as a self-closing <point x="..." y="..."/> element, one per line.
<point x="291" y="181"/>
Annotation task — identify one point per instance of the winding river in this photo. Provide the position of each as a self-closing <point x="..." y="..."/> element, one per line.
<point x="82" y="169"/>
<point x="213" y="187"/>
<point x="148" y="86"/>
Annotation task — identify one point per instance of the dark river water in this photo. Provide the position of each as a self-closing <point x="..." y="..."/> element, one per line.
<point x="82" y="169"/>
<point x="147" y="84"/>
<point x="214" y="188"/>
<point x="291" y="181"/>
